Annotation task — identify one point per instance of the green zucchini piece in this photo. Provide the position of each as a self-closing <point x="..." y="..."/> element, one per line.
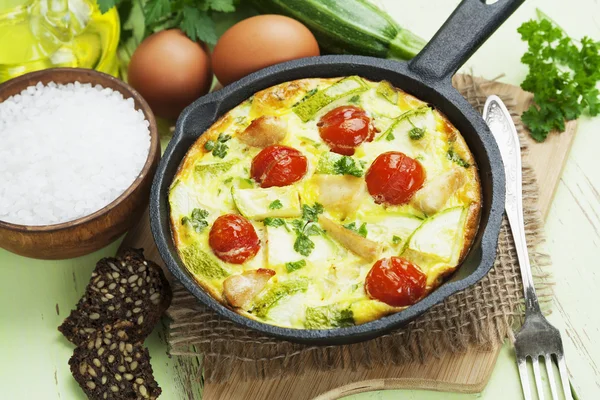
<point x="331" y="316"/>
<point x="308" y="107"/>
<point x="202" y="263"/>
<point x="348" y="27"/>
<point x="440" y="236"/>
<point x="387" y="91"/>
<point x="258" y="203"/>
<point x="391" y="131"/>
<point x="215" y="168"/>
<point x="276" y="293"/>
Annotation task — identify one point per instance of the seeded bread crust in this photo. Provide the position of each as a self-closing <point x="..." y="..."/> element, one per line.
<point x="110" y="366"/>
<point x="128" y="289"/>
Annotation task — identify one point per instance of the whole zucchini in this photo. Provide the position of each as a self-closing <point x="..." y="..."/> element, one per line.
<point x="348" y="26"/>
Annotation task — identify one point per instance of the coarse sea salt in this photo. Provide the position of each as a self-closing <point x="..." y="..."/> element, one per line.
<point x="66" y="151"/>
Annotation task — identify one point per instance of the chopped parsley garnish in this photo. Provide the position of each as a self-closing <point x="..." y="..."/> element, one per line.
<point x="396" y="239"/>
<point x="275" y="205"/>
<point x="218" y="147"/>
<point x="197" y="220"/>
<point x="416" y="133"/>
<point x="311" y="214"/>
<point x="293" y="266"/>
<point x="347" y="166"/>
<point x="274" y="222"/>
<point x="452" y="156"/>
<point x="362" y="230"/>
<point x="306" y="227"/>
<point x="303" y="245"/>
<point x="390" y="136"/>
<point x="228" y="180"/>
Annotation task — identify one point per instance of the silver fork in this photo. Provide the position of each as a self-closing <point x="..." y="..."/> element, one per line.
<point x="537" y="337"/>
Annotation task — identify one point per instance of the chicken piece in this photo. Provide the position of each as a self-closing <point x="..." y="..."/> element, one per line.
<point x="240" y="289"/>
<point x="365" y="248"/>
<point x="264" y="131"/>
<point x="342" y="192"/>
<point x="432" y="197"/>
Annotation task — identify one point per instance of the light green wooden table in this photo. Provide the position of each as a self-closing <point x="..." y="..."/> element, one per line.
<point x="35" y="296"/>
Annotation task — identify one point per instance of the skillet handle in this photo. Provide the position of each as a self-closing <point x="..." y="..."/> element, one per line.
<point x="471" y="23"/>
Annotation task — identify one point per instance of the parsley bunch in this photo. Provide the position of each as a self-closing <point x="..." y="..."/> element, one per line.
<point x="194" y="17"/>
<point x="562" y="76"/>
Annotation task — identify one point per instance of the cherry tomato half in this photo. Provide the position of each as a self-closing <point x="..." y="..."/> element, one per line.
<point x="278" y="166"/>
<point x="396" y="281"/>
<point x="394" y="177"/>
<point x="233" y="239"/>
<point x="345" y="128"/>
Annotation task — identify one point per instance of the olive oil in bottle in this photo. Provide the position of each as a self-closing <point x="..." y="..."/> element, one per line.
<point x="39" y="34"/>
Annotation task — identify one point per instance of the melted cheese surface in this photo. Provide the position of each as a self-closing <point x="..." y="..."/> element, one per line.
<point x="324" y="289"/>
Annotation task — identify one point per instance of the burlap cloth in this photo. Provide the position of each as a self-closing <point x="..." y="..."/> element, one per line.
<point x="480" y="316"/>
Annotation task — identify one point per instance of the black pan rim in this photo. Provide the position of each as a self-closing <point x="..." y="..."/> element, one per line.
<point x="286" y="72"/>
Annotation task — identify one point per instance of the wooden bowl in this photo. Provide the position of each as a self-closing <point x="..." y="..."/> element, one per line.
<point x="94" y="231"/>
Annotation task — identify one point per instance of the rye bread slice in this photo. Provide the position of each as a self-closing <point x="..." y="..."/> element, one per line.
<point x="110" y="366"/>
<point x="127" y="288"/>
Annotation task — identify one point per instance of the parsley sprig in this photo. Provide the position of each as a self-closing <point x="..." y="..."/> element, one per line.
<point x="362" y="230"/>
<point x="218" y="147"/>
<point x="562" y="76"/>
<point x="197" y="220"/>
<point x="275" y="205"/>
<point x="348" y="166"/>
<point x="306" y="227"/>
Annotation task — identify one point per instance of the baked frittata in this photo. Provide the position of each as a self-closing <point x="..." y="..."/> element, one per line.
<point x="325" y="202"/>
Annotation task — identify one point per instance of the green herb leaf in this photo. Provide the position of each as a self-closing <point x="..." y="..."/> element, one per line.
<point x="452" y="156"/>
<point x="198" y="213"/>
<point x="275" y="205"/>
<point x="347" y="166"/>
<point x="274" y="222"/>
<point x="222" y="5"/>
<point x="562" y="76"/>
<point x="390" y="136"/>
<point x="362" y="230"/>
<point x="228" y="180"/>
<point x="197" y="220"/>
<point x="220" y="150"/>
<point x="155" y="10"/>
<point x="223" y="138"/>
<point x="304" y="245"/>
<point x="198" y="25"/>
<point x="416" y="133"/>
<point x="209" y="145"/>
<point x="313" y="230"/>
<point x="293" y="266"/>
<point x="311" y="213"/>
<point x="396" y="239"/>
<point x="298" y="225"/>
<point x="105" y="5"/>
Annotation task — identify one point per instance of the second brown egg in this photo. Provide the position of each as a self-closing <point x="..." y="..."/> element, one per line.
<point x="259" y="42"/>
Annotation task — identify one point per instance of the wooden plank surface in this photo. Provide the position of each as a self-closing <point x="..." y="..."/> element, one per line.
<point x="467" y="373"/>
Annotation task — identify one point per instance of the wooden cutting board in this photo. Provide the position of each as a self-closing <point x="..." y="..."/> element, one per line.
<point x="466" y="373"/>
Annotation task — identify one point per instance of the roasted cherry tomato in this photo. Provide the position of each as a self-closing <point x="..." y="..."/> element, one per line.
<point x="233" y="239"/>
<point x="278" y="166"/>
<point x="345" y="128"/>
<point x="396" y="281"/>
<point x="394" y="177"/>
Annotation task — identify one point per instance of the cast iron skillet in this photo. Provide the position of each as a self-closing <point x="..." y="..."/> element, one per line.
<point x="428" y="77"/>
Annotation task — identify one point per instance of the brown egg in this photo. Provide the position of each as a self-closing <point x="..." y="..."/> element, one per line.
<point x="170" y="71"/>
<point x="258" y="42"/>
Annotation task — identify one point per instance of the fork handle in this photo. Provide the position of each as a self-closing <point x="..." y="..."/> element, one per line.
<point x="514" y="212"/>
